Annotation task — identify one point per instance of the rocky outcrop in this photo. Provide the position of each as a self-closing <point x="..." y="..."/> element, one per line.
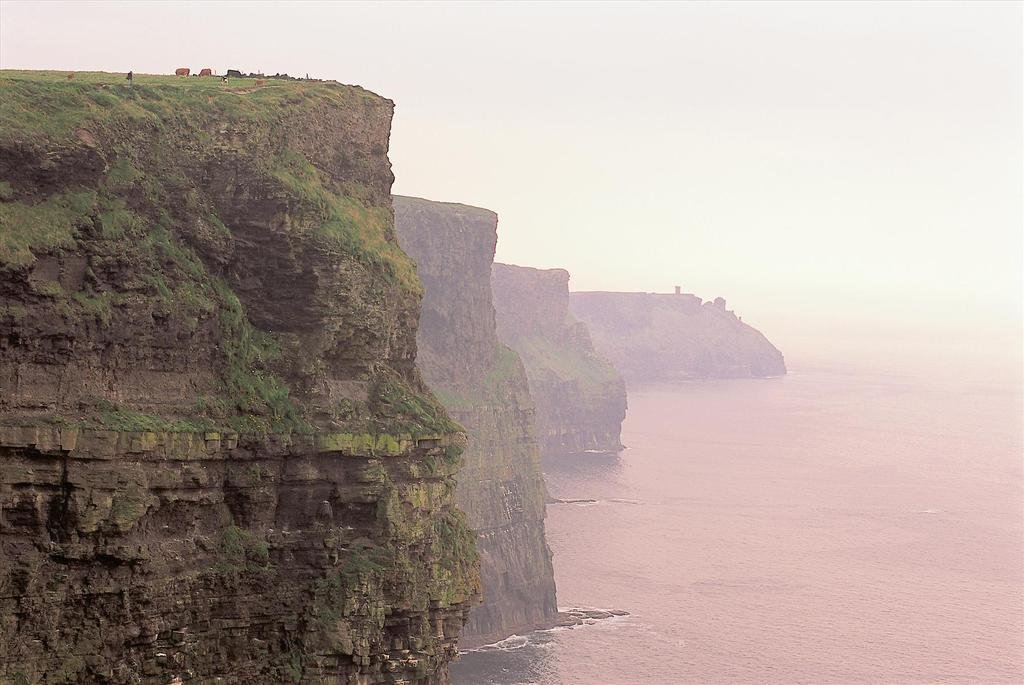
<point x="217" y="459"/>
<point x="671" y="337"/>
<point x="483" y="385"/>
<point x="580" y="397"/>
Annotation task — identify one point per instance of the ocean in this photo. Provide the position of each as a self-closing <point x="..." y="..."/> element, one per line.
<point x="836" y="525"/>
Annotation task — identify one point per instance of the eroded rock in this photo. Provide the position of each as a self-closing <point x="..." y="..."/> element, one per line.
<point x="217" y="460"/>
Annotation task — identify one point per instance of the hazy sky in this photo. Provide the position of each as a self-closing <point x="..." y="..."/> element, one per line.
<point x="839" y="172"/>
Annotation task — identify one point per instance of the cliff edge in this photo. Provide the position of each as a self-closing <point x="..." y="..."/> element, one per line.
<point x="217" y="459"/>
<point x="484" y="386"/>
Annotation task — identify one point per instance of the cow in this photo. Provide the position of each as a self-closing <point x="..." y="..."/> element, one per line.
<point x="183" y="71"/>
<point x="206" y="72"/>
<point x="260" y="82"/>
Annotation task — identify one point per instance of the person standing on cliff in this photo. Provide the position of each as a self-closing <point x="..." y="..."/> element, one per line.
<point x="130" y="78"/>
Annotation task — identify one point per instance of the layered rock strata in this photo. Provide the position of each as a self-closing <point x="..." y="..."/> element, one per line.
<point x="580" y="397"/>
<point x="218" y="462"/>
<point x="484" y="386"/>
<point x="670" y="337"/>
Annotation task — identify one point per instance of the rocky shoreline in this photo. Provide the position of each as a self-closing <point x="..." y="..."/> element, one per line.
<point x="570" y="618"/>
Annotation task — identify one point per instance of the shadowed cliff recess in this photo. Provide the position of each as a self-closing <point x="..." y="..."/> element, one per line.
<point x="217" y="459"/>
<point x="484" y="386"/>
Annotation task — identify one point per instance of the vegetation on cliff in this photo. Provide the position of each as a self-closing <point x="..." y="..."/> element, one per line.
<point x="217" y="459"/>
<point x="115" y="173"/>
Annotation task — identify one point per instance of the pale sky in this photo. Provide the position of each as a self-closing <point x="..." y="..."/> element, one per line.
<point x="840" y="172"/>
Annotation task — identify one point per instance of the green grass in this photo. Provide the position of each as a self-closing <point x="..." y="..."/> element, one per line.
<point x="122" y="175"/>
<point x="117" y="220"/>
<point x="46" y="226"/>
<point x="361" y="563"/>
<point x="254" y="400"/>
<point x="47" y="103"/>
<point x="261" y="397"/>
<point x="112" y="417"/>
<point x="50" y="289"/>
<point x="96" y="306"/>
<point x="394" y="408"/>
<point x="148" y="214"/>
<point x="241" y="551"/>
<point x="347" y="223"/>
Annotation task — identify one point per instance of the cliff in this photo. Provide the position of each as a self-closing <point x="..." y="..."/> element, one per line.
<point x="217" y="460"/>
<point x="671" y="337"/>
<point x="484" y="386"/>
<point x="580" y="397"/>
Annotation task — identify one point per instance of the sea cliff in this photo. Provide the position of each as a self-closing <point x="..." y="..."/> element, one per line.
<point x="483" y="385"/>
<point x="580" y="397"/>
<point x="218" y="462"/>
<point x="654" y="337"/>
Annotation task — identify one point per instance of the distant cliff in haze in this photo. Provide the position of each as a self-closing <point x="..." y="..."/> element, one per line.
<point x="580" y="397"/>
<point x="667" y="337"/>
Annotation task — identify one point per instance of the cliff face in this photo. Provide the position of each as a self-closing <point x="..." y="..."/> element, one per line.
<point x="216" y="457"/>
<point x="580" y="397"/>
<point x="663" y="337"/>
<point x="483" y="385"/>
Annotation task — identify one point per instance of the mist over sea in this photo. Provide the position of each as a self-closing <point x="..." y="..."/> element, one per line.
<point x="835" y="525"/>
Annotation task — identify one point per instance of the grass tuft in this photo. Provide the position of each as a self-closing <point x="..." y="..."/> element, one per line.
<point x="47" y="226"/>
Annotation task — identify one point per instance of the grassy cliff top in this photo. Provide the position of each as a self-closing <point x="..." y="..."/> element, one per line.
<point x="55" y="103"/>
<point x="326" y="142"/>
<point x="252" y="220"/>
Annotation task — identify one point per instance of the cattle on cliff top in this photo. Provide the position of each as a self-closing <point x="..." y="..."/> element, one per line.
<point x="182" y="71"/>
<point x="206" y="72"/>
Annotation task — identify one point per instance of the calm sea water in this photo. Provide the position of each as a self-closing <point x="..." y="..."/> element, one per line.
<point x="830" y="526"/>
